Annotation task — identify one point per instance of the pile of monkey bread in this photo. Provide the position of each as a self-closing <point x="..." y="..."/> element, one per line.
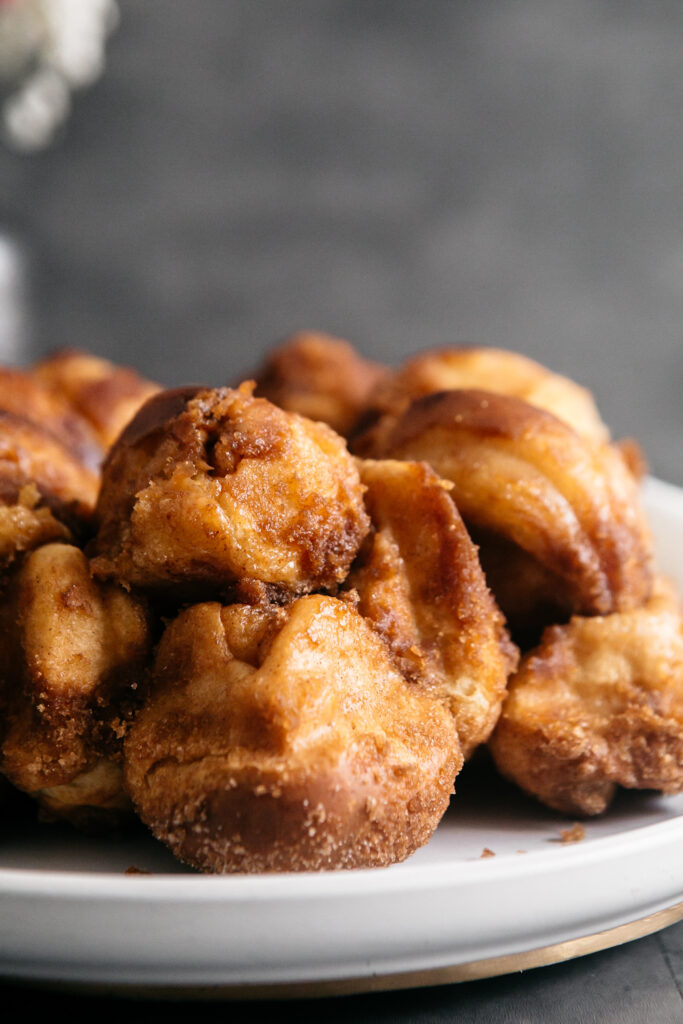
<point x="273" y="619"/>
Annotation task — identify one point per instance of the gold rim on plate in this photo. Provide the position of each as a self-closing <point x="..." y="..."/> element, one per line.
<point x="474" y="970"/>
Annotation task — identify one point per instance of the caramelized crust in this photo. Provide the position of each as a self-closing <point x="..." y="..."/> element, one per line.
<point x="321" y="377"/>
<point x="217" y="486"/>
<point x="599" y="704"/>
<point x="521" y="473"/>
<point x="103" y="395"/>
<point x="419" y="583"/>
<point x="488" y="369"/>
<point x="22" y="394"/>
<point x="299" y="747"/>
<point x="71" y="667"/>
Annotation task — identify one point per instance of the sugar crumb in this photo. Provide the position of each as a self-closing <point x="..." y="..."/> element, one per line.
<point x="574" y="834"/>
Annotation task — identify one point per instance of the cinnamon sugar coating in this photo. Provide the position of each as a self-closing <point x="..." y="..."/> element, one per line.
<point x="283" y="739"/>
<point x="597" y="705"/>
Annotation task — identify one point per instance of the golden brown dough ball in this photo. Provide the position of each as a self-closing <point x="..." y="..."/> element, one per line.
<point x="419" y="583"/>
<point x="30" y="454"/>
<point x="207" y="488"/>
<point x="283" y="739"/>
<point x="25" y="397"/>
<point x="321" y="377"/>
<point x="105" y="396"/>
<point x="521" y="474"/>
<point x="598" y="704"/>
<point x="72" y="668"/>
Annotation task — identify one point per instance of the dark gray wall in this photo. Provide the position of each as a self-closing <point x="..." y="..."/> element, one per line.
<point x="406" y="174"/>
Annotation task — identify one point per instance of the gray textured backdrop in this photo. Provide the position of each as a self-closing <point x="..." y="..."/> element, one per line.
<point x="406" y="174"/>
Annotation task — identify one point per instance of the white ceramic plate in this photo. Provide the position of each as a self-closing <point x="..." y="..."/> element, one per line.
<point x="69" y="912"/>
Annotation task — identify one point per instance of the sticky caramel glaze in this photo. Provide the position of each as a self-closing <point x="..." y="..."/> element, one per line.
<point x="215" y="486"/>
<point x="321" y="377"/>
<point x="598" y="704"/>
<point x="488" y="369"/>
<point x="285" y="740"/>
<point x="103" y="395"/>
<point x="520" y="472"/>
<point x="72" y="669"/>
<point x="419" y="583"/>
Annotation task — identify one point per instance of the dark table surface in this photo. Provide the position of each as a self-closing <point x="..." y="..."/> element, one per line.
<point x="405" y="175"/>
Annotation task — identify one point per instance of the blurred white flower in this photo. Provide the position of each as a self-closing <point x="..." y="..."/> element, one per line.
<point x="48" y="48"/>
